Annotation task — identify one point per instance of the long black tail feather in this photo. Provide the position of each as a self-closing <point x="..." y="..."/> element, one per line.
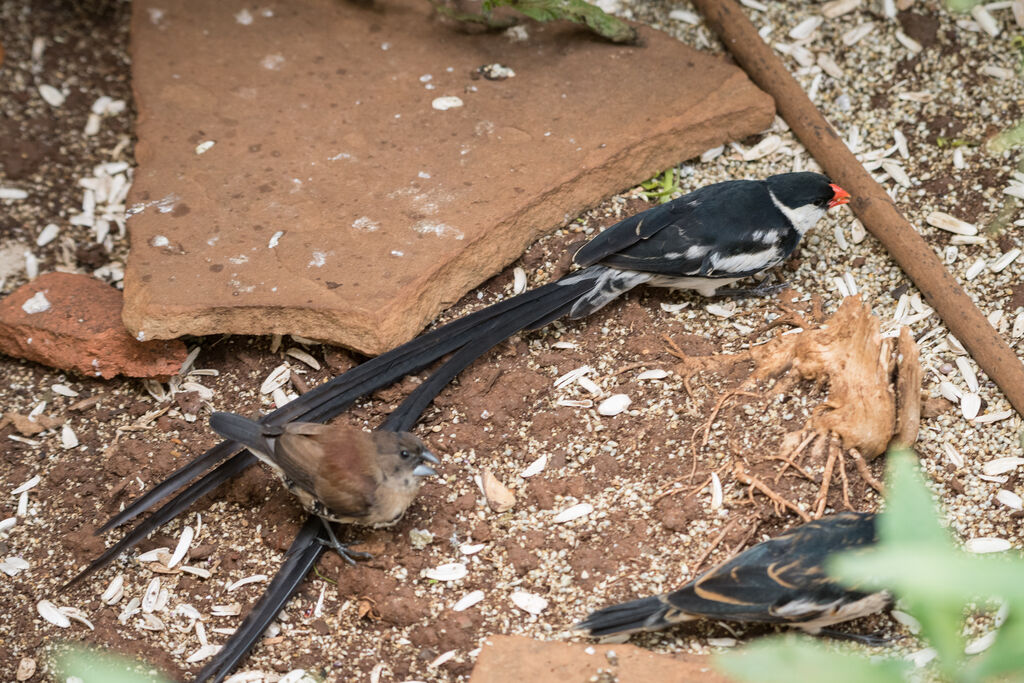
<point x="307" y="547"/>
<point x="301" y="557"/>
<point x="332" y="397"/>
<point x="171" y="509"/>
<point x="625" y="617"/>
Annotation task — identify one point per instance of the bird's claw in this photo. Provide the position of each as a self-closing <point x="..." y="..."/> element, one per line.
<point x="868" y="639"/>
<point x="745" y="292"/>
<point x="345" y="552"/>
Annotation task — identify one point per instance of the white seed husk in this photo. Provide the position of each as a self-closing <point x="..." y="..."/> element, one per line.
<point x="79" y="616"/>
<point x="613" y="405"/>
<point x="943" y="221"/>
<point x="187" y="534"/>
<point x="468" y="601"/>
<point x="970" y="405"/>
<point x="204" y="652"/>
<point x="255" y="578"/>
<point x="152" y="594"/>
<point x="716" y="491"/>
<point x="572" y="376"/>
<point x="574" y="512"/>
<point x="452" y="571"/>
<point x="837" y="8"/>
<point x="114" y="592"/>
<point x="12" y="566"/>
<point x="529" y="602"/>
<point x="964" y="365"/>
<point x="1003" y="261"/>
<point x="949" y="391"/>
<point x="1001" y="466"/>
<point x="994" y="417"/>
<point x="276" y="379"/>
<point x="68" y="439"/>
<point x="805" y="28"/>
<point x="953" y="455"/>
<point x="1010" y="499"/>
<point x="656" y="373"/>
<point x="303" y="356"/>
<point x="471" y="548"/>
<point x="30" y="484"/>
<point x="51" y="95"/>
<point x="535" y="467"/>
<point x="518" y="280"/>
<point x="154" y="555"/>
<point x="231" y="610"/>
<point x="589" y="385"/>
<point x="987" y="544"/>
<point x="981" y="644"/>
<point x="51" y="613"/>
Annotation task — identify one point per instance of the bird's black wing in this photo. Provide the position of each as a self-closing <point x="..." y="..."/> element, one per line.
<point x="688" y="235"/>
<point x="782" y="580"/>
<point x="729" y="230"/>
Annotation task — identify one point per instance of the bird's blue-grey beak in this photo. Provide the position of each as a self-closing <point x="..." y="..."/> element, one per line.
<point x="426" y="470"/>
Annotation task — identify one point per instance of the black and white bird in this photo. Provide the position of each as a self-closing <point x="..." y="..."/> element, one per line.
<point x="780" y="581"/>
<point x="704" y="240"/>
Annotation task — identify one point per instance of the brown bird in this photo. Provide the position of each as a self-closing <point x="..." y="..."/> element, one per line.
<point x="338" y="473"/>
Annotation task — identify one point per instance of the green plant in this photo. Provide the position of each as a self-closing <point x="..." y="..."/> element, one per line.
<point x="664" y="186"/>
<point x="918" y="561"/>
<point x="96" y="666"/>
<point x="577" y="11"/>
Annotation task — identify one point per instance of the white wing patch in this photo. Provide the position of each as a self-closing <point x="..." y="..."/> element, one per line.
<point x="740" y="263"/>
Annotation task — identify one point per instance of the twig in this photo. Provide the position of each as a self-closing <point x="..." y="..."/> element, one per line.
<point x="671" y="492"/>
<point x="826" y="480"/>
<point x="714" y="544"/>
<point x="846" y="483"/>
<point x="862" y="469"/>
<point x="788" y="458"/>
<point x="753" y="482"/>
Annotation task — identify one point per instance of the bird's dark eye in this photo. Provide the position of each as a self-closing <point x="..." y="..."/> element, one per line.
<point x="405" y="455"/>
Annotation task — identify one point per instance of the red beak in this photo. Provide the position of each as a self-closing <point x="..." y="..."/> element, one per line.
<point x="840" y="197"/>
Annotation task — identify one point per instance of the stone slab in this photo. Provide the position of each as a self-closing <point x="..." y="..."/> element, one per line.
<point x="336" y="202"/>
<point x="73" y="322"/>
<point x="516" y="658"/>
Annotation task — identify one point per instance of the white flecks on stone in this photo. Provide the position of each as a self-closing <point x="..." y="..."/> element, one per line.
<point x="37" y="303"/>
<point x="365" y="223"/>
<point x="275" y="239"/>
<point x="318" y="260"/>
<point x="204" y="146"/>
<point x="244" y="17"/>
<point x="446" y="102"/>
<point x="272" y="62"/>
<point x="159" y="241"/>
<point x="425" y="227"/>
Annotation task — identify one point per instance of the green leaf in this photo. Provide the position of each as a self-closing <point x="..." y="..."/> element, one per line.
<point x="97" y="666"/>
<point x="910" y="517"/>
<point x="1006" y="656"/>
<point x="788" y="659"/>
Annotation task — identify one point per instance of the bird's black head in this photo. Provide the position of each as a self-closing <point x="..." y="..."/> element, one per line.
<point x="796" y="190"/>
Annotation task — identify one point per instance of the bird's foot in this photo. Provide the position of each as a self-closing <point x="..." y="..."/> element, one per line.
<point x="343" y="550"/>
<point x="871" y="640"/>
<point x="745" y="292"/>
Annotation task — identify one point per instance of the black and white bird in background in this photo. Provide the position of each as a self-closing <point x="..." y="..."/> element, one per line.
<point x="780" y="581"/>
